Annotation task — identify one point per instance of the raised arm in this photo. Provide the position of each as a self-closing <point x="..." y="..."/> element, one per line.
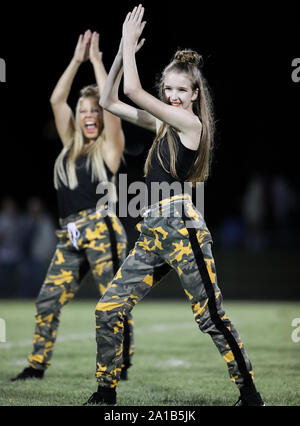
<point x="178" y="118"/>
<point x="63" y="114"/>
<point x="113" y="145"/>
<point x="110" y="96"/>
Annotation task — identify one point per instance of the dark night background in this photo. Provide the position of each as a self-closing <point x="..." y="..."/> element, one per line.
<point x="247" y="52"/>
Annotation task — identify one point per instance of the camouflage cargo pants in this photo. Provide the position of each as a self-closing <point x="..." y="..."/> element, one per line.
<point x="87" y="240"/>
<point x="172" y="232"/>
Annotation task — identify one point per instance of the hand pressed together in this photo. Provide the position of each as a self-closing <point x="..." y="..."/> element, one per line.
<point x="81" y="53"/>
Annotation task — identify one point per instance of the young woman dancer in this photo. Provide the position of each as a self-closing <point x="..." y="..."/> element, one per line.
<point x="93" y="144"/>
<point x="180" y="152"/>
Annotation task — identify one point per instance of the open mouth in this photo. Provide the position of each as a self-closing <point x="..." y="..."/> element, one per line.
<point x="90" y="126"/>
<point x="176" y="104"/>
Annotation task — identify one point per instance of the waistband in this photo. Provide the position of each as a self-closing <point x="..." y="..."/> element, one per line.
<point x="165" y="204"/>
<point x="82" y="216"/>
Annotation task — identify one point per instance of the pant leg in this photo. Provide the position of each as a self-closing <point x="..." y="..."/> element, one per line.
<point x="61" y="283"/>
<point x="106" y="250"/>
<point x="192" y="257"/>
<point x="132" y="282"/>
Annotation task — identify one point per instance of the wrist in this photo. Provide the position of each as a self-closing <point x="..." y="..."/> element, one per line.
<point x="96" y="60"/>
<point x="129" y="42"/>
<point x="76" y="61"/>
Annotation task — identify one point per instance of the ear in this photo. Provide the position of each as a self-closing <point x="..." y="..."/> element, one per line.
<point x="195" y="94"/>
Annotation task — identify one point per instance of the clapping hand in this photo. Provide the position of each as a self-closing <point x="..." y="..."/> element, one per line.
<point x="81" y="53"/>
<point x="95" y="54"/>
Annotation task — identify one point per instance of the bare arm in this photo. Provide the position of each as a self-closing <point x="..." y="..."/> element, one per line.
<point x="113" y="145"/>
<point x="110" y="99"/>
<point x="181" y="119"/>
<point x="63" y="114"/>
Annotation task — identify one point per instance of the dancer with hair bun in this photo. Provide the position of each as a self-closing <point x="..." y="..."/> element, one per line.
<point x="89" y="238"/>
<point x="173" y="231"/>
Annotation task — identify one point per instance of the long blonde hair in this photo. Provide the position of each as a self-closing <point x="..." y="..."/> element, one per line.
<point x="67" y="175"/>
<point x="188" y="62"/>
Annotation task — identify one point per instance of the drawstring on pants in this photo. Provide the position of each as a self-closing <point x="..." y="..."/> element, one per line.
<point x="74" y="234"/>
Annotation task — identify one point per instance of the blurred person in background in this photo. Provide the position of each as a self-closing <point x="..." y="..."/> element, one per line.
<point x="39" y="241"/>
<point x="283" y="203"/>
<point x="90" y="239"/>
<point x="10" y="247"/>
<point x="254" y="212"/>
<point x="268" y="206"/>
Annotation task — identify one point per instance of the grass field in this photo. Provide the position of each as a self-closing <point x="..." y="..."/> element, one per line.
<point x="174" y="364"/>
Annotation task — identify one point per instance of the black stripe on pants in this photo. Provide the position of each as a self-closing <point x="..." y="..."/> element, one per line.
<point x="212" y="306"/>
<point x="113" y="244"/>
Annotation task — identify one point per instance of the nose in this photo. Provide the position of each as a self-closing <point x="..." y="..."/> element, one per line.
<point x="174" y="95"/>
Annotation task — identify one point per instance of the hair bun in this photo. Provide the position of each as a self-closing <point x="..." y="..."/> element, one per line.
<point x="187" y="56"/>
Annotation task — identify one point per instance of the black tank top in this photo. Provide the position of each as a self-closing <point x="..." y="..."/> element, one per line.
<point x="83" y="197"/>
<point x="185" y="158"/>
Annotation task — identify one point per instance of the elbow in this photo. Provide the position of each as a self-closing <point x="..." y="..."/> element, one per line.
<point x="132" y="93"/>
<point x="107" y="104"/>
<point x="56" y="99"/>
<point x="128" y="91"/>
<point x="103" y="102"/>
<point x="52" y="100"/>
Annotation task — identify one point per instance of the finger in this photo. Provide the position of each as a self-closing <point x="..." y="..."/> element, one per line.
<point x="87" y="35"/>
<point x="141" y="43"/>
<point x="137" y="13"/>
<point x="140" y="14"/>
<point x="87" y="39"/>
<point x="127" y="17"/>
<point x="133" y="14"/>
<point x="142" y="26"/>
<point x="95" y="37"/>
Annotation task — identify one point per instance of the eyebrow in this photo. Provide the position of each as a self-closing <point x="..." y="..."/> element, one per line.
<point x="166" y="86"/>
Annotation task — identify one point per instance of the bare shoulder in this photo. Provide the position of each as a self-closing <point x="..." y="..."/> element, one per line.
<point x="190" y="137"/>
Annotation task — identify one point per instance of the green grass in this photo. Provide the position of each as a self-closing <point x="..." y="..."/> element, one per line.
<point x="174" y="364"/>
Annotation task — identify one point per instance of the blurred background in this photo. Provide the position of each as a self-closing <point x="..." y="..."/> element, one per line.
<point x="252" y="196"/>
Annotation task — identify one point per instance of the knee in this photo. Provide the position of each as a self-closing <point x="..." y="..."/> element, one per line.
<point x="204" y="324"/>
<point x="207" y="317"/>
<point x="53" y="299"/>
<point x="108" y="312"/>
